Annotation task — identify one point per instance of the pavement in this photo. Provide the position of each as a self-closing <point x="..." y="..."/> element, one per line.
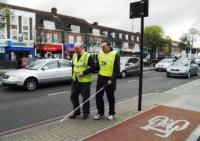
<point x="185" y="98"/>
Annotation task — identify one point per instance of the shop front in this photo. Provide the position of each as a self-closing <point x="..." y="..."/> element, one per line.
<point x="50" y="50"/>
<point x="15" y="51"/>
<point x="2" y="50"/>
<point x="69" y="51"/>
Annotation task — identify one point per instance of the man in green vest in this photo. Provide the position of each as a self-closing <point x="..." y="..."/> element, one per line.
<point x="82" y="67"/>
<point x="109" y="68"/>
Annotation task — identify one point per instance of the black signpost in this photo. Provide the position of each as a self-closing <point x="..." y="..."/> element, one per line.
<point x="140" y="10"/>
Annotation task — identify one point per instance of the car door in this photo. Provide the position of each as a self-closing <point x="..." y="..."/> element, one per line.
<point x="128" y="65"/>
<point x="194" y="68"/>
<point x="49" y="72"/>
<point x="65" y="70"/>
<point x="133" y="64"/>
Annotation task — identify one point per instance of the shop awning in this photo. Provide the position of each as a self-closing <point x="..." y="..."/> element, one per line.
<point x="16" y="49"/>
<point x="49" y="47"/>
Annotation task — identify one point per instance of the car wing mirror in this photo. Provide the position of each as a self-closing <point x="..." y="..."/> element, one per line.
<point x="44" y="68"/>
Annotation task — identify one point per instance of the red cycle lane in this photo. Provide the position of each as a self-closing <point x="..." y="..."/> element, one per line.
<point x="161" y="123"/>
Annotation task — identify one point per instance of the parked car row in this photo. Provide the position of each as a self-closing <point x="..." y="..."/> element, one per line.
<point x="181" y="68"/>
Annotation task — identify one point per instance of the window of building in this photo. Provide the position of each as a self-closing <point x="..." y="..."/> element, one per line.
<point x="14" y="34"/>
<point x="14" y="20"/>
<point x="2" y="33"/>
<point x="99" y="42"/>
<point x="71" y="39"/>
<point x="113" y="34"/>
<point x="25" y="28"/>
<point x="126" y="36"/>
<point x="132" y="38"/>
<point x="25" y="21"/>
<point x="120" y="35"/>
<point x="75" y="28"/>
<point x="13" y="27"/>
<point x="49" y="24"/>
<point x="79" y="39"/>
<point x="105" y="33"/>
<point x="96" y="31"/>
<point x="49" y="37"/>
<point x="55" y="38"/>
<point x="25" y="35"/>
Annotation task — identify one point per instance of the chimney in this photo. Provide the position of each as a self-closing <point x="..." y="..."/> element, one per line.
<point x="95" y="23"/>
<point x="54" y="11"/>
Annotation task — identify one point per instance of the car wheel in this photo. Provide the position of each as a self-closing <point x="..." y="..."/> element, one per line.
<point x="123" y="75"/>
<point x="189" y="75"/>
<point x="31" y="84"/>
<point x="167" y="74"/>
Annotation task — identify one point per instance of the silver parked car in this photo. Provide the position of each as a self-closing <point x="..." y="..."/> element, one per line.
<point x="164" y="64"/>
<point x="40" y="71"/>
<point x="129" y="65"/>
<point x="197" y="60"/>
<point x="184" y="68"/>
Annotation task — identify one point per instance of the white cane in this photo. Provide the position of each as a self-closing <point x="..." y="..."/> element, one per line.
<point x="83" y="103"/>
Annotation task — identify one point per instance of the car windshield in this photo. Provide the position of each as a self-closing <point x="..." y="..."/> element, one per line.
<point x="123" y="59"/>
<point x="36" y="65"/>
<point x="166" y="61"/>
<point x="181" y="63"/>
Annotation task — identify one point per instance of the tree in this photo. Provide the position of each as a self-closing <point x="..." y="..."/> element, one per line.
<point x="153" y="39"/>
<point x="167" y="45"/>
<point x="5" y="13"/>
<point x="184" y="42"/>
<point x="188" y="39"/>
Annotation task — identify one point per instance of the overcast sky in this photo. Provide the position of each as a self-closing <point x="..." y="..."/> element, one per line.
<point x="175" y="16"/>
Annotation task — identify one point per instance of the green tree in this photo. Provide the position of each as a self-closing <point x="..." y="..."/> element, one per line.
<point x="184" y="42"/>
<point x="188" y="39"/>
<point x="5" y="13"/>
<point x="153" y="39"/>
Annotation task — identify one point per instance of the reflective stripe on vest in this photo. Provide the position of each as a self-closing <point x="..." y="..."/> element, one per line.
<point x="106" y="63"/>
<point x="80" y="66"/>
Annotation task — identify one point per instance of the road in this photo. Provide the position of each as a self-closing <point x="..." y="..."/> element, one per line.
<point x="19" y="108"/>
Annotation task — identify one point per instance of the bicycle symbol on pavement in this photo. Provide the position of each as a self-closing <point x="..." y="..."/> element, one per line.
<point x="165" y="125"/>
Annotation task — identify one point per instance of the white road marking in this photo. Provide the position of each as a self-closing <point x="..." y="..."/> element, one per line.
<point x="58" y="93"/>
<point x="131" y="81"/>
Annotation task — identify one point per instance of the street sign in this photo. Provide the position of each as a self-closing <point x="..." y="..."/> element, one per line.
<point x="136" y="9"/>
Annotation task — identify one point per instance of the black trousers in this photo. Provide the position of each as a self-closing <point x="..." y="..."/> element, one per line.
<point x="83" y="89"/>
<point x="110" y="96"/>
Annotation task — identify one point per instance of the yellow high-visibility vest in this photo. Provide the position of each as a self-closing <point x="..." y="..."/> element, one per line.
<point x="80" y="66"/>
<point x="106" y="63"/>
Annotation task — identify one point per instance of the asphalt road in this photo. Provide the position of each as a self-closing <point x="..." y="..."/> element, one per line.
<point x="19" y="108"/>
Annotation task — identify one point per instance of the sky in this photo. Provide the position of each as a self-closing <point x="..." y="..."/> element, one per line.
<point x="176" y="17"/>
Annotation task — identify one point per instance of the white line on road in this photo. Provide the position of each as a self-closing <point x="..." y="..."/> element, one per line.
<point x="131" y="81"/>
<point x="58" y="93"/>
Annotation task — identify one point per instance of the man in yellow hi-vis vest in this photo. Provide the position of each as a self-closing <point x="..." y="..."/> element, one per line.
<point x="109" y="68"/>
<point x="82" y="67"/>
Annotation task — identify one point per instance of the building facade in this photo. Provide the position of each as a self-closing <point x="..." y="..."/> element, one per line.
<point x="33" y="33"/>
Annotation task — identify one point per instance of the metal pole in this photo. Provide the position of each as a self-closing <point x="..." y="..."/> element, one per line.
<point x="141" y="57"/>
<point x="63" y="43"/>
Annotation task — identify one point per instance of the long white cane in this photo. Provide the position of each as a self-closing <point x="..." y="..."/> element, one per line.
<point x="83" y="103"/>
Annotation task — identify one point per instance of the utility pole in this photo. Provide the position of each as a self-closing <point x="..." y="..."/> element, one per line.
<point x="140" y="10"/>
